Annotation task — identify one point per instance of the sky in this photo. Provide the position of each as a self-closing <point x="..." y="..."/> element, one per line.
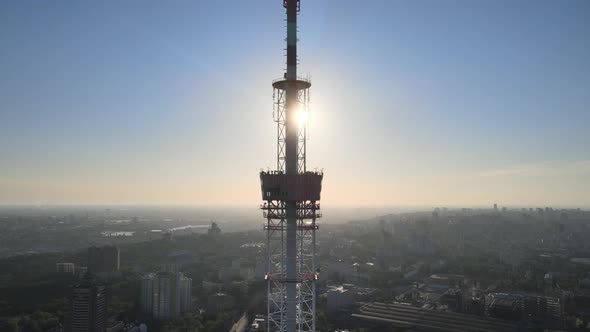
<point x="430" y="103"/>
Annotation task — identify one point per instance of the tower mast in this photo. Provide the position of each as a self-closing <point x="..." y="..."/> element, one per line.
<point x="291" y="206"/>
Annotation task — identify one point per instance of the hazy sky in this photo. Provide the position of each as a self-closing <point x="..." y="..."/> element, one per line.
<point x="414" y="102"/>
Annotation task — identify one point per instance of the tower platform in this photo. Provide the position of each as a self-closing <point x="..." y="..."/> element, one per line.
<point x="299" y="187"/>
<point x="298" y="84"/>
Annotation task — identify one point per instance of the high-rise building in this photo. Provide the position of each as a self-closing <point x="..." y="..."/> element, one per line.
<point x="185" y="293"/>
<point x="89" y="306"/>
<point x="146" y="292"/>
<point x="165" y="300"/>
<point x="104" y="261"/>
<point x="166" y="295"/>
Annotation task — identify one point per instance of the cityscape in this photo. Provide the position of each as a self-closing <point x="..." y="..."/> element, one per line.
<point x="144" y="186"/>
<point x="463" y="269"/>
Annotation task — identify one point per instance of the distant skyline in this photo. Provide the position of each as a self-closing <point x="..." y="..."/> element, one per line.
<point x="414" y="103"/>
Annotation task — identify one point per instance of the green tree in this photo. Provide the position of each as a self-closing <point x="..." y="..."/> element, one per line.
<point x="8" y="325"/>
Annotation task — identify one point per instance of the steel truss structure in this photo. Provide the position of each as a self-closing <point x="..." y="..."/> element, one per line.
<point x="291" y="206"/>
<point x="279" y="116"/>
<point x="307" y="213"/>
<point x="277" y="278"/>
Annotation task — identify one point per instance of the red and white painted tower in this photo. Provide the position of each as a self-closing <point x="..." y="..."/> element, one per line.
<point x="291" y="197"/>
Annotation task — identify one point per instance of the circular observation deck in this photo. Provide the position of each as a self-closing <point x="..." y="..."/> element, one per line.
<point x="298" y="84"/>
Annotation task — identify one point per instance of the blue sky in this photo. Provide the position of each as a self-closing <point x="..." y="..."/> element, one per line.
<point x="413" y="102"/>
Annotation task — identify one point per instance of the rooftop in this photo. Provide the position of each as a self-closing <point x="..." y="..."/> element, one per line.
<point x="417" y="319"/>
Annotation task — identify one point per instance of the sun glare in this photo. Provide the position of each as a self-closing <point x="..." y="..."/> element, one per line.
<point x="302" y="117"/>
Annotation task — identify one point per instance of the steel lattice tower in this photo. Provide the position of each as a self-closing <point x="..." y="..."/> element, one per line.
<point x="291" y="207"/>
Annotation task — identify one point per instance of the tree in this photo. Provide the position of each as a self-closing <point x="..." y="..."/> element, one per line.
<point x="222" y="323"/>
<point x="8" y="325"/>
<point x="322" y="322"/>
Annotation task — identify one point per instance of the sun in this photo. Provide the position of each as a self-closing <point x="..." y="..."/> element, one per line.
<point x="302" y="117"/>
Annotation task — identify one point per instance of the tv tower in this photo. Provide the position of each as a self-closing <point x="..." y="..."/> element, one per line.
<point x="291" y="197"/>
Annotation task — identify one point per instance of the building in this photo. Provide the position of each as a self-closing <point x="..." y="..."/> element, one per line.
<point x="89" y="306"/>
<point x="185" y="293"/>
<point x="542" y="307"/>
<point x="339" y="299"/>
<point x="166" y="295"/>
<point x="146" y="293"/>
<point x="260" y="269"/>
<point x="214" y="229"/>
<point x="80" y="271"/>
<point x="65" y="268"/>
<point x="384" y="317"/>
<point x="504" y="305"/>
<point x="453" y="299"/>
<point x="165" y="300"/>
<point x="104" y="261"/>
<point x="568" y="303"/>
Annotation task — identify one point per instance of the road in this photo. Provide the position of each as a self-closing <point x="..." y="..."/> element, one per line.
<point x="240" y="326"/>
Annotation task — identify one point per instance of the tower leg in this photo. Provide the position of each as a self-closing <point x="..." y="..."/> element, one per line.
<point x="291" y="267"/>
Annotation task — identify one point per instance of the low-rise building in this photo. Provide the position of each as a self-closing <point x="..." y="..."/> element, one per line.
<point x="339" y="299"/>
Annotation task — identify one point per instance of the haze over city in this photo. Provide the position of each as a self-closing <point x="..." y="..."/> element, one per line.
<point x="456" y="103"/>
